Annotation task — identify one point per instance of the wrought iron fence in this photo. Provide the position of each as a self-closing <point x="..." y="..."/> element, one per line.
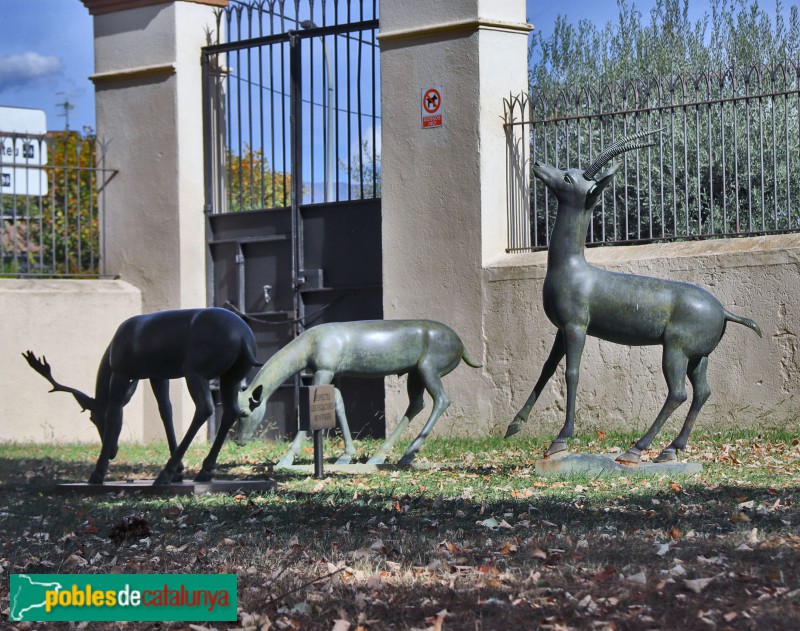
<point x="52" y="200"/>
<point x="324" y="55"/>
<point x="726" y="161"/>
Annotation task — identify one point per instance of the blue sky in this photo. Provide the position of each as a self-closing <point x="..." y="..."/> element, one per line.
<point x="46" y="57"/>
<point x="46" y="51"/>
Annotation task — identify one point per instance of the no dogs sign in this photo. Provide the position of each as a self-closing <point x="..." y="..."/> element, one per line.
<point x="432" y="112"/>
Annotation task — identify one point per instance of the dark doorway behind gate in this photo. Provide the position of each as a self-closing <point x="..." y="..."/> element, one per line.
<point x="292" y="145"/>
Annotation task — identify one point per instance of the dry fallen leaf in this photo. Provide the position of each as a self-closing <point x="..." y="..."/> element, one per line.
<point x="436" y="621"/>
<point x="605" y="574"/>
<point x="129" y="527"/>
<point x="540" y="554"/>
<point x="508" y="548"/>
<point x="697" y="585"/>
<point x="340" y="625"/>
<point x="76" y="560"/>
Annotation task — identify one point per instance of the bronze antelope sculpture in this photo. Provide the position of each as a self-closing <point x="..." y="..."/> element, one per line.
<point x="582" y="300"/>
<point x="423" y="349"/>
<point x="197" y="344"/>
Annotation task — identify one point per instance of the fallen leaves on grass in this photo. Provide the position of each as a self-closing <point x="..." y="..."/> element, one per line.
<point x="129" y="527"/>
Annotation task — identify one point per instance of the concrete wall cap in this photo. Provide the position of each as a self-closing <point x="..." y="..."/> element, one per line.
<point x="455" y="26"/>
<point x="66" y="285"/>
<point x="98" y="7"/>
<point x="677" y="249"/>
<point x="158" y="70"/>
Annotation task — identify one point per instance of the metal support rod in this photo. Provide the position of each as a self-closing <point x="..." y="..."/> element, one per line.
<point x="318" y="460"/>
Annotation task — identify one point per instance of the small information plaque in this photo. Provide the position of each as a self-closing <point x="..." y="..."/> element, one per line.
<point x="317" y="408"/>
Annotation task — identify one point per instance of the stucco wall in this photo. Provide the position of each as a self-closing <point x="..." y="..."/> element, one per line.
<point x="149" y="107"/>
<point x="443" y="189"/>
<point x="753" y="380"/>
<point x="70" y="322"/>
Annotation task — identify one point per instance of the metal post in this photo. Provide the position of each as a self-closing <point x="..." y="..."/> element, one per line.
<point x="318" y="460"/>
<point x="296" y="131"/>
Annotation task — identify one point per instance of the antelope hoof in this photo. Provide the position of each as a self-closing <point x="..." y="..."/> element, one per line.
<point x="377" y="459"/>
<point x="406" y="460"/>
<point x="344" y="459"/>
<point x="202" y="476"/>
<point x="96" y="478"/>
<point x="163" y="479"/>
<point x="286" y="461"/>
<point x="556" y="447"/>
<point x="668" y="454"/>
<point x="514" y="427"/>
<point x="630" y="458"/>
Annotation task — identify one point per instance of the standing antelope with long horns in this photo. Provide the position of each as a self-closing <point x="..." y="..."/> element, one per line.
<point x="626" y="309"/>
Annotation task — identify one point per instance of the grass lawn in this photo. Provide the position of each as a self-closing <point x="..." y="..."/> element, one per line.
<point x="480" y="543"/>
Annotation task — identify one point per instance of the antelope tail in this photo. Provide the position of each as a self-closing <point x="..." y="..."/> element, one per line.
<point x="465" y="356"/>
<point x="751" y="324"/>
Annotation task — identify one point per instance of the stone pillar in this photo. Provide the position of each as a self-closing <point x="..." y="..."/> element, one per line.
<point x="148" y="91"/>
<point x="444" y="188"/>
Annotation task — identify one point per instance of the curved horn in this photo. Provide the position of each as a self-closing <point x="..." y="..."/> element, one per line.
<point x="622" y="145"/>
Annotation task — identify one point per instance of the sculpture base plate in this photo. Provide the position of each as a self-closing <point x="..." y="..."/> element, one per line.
<point x="187" y="487"/>
<point x="362" y="467"/>
<point x="565" y="464"/>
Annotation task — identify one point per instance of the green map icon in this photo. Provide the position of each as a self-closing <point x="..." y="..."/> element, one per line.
<point x="27" y="595"/>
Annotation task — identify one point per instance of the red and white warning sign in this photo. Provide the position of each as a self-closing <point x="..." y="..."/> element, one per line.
<point x="432" y="107"/>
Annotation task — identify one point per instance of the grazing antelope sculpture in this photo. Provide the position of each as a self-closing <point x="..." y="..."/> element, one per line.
<point x="424" y="349"/>
<point x="198" y="344"/>
<point x="626" y="309"/>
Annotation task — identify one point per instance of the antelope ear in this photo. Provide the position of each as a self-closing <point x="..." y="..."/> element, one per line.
<point x="255" y="400"/>
<point x="600" y="184"/>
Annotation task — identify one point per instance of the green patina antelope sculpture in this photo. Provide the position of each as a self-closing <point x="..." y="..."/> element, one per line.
<point x="423" y="349"/>
<point x="582" y="300"/>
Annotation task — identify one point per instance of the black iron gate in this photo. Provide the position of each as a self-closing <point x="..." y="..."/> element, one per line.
<point x="292" y="128"/>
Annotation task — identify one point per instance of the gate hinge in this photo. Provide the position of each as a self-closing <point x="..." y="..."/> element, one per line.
<point x="310" y="279"/>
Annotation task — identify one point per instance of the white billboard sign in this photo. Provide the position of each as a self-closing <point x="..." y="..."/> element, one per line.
<point x="23" y="151"/>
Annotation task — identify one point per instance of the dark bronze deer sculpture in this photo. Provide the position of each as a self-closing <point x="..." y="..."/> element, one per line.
<point x="626" y="309"/>
<point x="423" y="349"/>
<point x="197" y="344"/>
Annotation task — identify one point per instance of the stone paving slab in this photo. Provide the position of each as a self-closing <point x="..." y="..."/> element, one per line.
<point x="187" y="487"/>
<point x="565" y="464"/>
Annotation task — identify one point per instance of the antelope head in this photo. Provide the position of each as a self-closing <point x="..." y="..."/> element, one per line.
<point x="581" y="189"/>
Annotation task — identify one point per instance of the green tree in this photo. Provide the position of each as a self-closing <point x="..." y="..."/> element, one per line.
<point x="723" y="163"/>
<point x="58" y="232"/>
<point x="253" y="185"/>
<point x="364" y="172"/>
<point x="735" y="33"/>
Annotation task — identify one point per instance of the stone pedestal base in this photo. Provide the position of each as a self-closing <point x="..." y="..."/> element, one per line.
<point x="145" y="487"/>
<point x="566" y="464"/>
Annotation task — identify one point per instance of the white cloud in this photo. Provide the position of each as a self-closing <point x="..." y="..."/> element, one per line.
<point x="18" y="70"/>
